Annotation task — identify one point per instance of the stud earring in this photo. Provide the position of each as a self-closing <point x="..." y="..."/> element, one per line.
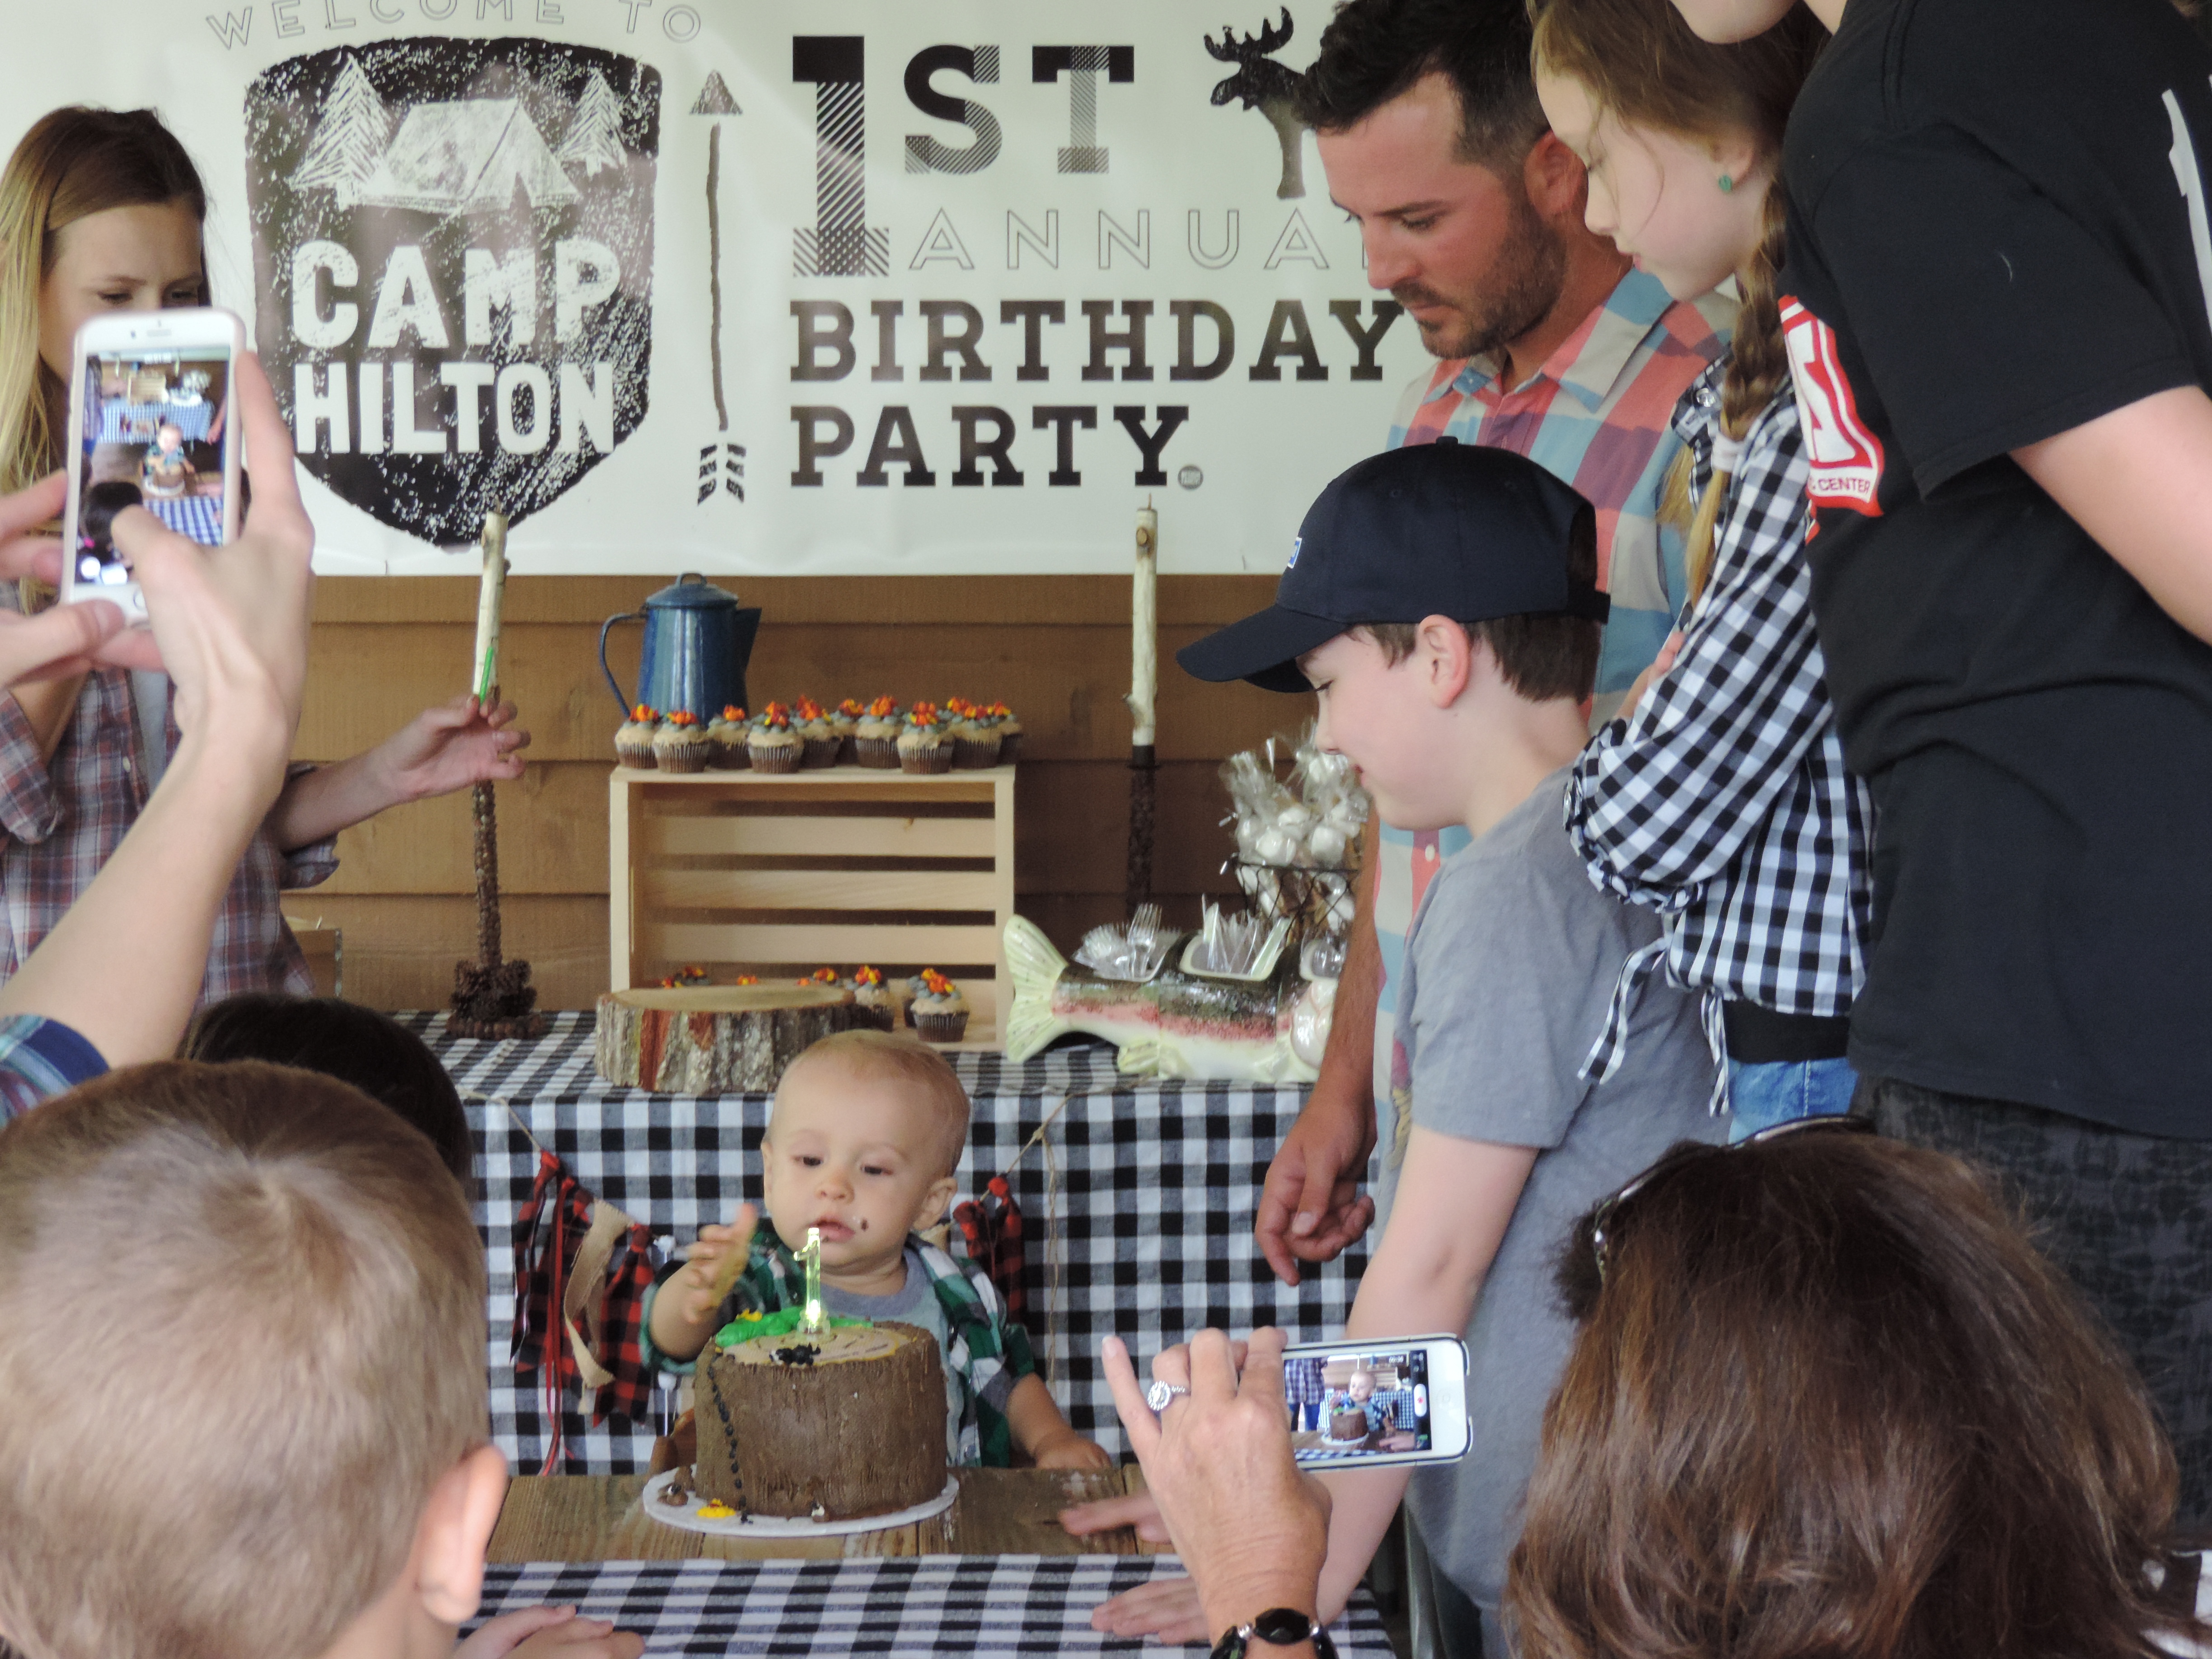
<point x="1727" y="184"/>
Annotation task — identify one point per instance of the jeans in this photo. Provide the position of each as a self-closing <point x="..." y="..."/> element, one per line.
<point x="1761" y="1096"/>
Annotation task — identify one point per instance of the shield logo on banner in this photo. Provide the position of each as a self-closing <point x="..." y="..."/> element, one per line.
<point x="452" y="246"/>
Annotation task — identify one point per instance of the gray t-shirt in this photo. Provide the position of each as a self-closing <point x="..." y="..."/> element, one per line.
<point x="1509" y="968"/>
<point x="916" y="1303"/>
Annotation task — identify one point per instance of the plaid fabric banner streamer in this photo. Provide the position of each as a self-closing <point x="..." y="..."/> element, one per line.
<point x="992" y="1225"/>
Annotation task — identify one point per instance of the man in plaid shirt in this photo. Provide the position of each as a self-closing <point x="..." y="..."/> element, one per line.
<point x="1553" y="347"/>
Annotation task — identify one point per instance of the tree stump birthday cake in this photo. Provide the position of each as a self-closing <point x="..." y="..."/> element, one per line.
<point x="835" y="1424"/>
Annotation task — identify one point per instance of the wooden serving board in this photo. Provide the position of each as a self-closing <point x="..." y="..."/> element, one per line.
<point x="712" y="1039"/>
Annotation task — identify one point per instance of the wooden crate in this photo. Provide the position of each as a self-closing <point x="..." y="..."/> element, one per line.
<point x="742" y="872"/>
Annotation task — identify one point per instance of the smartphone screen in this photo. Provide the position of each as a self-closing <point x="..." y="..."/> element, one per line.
<point x="1355" y="1404"/>
<point x="156" y="434"/>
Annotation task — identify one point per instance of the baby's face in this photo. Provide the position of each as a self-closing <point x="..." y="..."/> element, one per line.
<point x="1362" y="1386"/>
<point x="170" y="439"/>
<point x="857" y="1155"/>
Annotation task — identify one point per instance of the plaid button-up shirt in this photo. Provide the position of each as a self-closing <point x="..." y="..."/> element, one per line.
<point x="1599" y="414"/>
<point x="62" y="822"/>
<point x="41" y="1058"/>
<point x="985" y="1352"/>
<point x="1723" y="803"/>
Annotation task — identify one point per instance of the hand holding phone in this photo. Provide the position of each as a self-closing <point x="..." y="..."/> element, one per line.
<point x="149" y="422"/>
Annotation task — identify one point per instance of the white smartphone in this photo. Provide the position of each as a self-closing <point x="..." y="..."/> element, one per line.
<point x="152" y="416"/>
<point x="1388" y="1399"/>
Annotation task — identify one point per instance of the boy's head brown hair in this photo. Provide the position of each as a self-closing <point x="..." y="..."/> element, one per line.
<point x="1540" y="657"/>
<point x="926" y="1074"/>
<point x="244" y="1308"/>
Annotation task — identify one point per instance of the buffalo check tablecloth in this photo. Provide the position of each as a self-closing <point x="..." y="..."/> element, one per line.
<point x="991" y="1605"/>
<point x="1138" y="1204"/>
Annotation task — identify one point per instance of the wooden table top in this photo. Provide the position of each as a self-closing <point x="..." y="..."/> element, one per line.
<point x="594" y="1518"/>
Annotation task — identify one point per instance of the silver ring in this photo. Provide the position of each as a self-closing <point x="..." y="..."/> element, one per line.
<point x="1161" y="1395"/>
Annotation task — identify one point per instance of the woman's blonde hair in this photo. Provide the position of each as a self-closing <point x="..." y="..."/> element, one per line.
<point x="73" y="163"/>
<point x="1638" y="60"/>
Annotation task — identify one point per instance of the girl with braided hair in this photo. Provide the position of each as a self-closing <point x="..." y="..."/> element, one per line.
<point x="1717" y="795"/>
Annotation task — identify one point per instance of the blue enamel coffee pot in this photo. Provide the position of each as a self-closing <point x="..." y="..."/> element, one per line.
<point x="697" y="640"/>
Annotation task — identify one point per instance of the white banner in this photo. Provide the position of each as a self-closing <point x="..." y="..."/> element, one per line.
<point x="744" y="288"/>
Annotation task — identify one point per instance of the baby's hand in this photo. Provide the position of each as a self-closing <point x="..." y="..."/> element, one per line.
<point x="544" y="1632"/>
<point x="696" y="1282"/>
<point x="1067" y="1450"/>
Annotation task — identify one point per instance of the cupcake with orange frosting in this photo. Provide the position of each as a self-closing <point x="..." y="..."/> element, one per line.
<point x="681" y="743"/>
<point x="772" y="746"/>
<point x="725" y="741"/>
<point x="1009" y="728"/>
<point x="634" y="742"/>
<point x="876" y="735"/>
<point x="845" y="720"/>
<point x="940" y="1012"/>
<point x="923" y="745"/>
<point x="873" y="1004"/>
<point x="975" y="738"/>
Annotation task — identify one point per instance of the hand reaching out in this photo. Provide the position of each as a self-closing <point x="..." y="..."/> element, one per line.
<point x="452" y="746"/>
<point x="549" y="1633"/>
<point x="686" y="1302"/>
<point x="1070" y="1451"/>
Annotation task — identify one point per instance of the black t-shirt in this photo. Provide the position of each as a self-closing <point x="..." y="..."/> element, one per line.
<point x="1991" y="242"/>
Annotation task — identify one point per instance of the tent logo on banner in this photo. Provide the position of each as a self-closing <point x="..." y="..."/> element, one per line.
<point x="453" y="241"/>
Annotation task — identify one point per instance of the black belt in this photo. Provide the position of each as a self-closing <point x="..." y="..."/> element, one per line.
<point x="1759" y="1036"/>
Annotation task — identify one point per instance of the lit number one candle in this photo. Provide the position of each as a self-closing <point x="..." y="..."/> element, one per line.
<point x="809" y="1256"/>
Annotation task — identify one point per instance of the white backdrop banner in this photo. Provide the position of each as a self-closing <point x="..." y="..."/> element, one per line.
<point x="747" y="287"/>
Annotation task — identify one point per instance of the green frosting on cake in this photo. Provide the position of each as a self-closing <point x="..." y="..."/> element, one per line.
<point x="781" y="1323"/>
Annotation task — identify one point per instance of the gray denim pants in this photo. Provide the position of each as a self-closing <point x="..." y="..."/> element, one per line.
<point x="2127" y="1216"/>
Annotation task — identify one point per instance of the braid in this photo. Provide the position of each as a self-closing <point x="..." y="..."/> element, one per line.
<point x="1758" y="368"/>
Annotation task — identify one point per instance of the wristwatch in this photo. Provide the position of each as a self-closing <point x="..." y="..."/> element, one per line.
<point x="1277" y="1627"/>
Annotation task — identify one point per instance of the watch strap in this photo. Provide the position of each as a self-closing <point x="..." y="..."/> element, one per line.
<point x="1276" y="1627"/>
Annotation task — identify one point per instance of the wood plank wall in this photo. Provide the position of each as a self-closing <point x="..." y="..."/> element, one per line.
<point x="1056" y="648"/>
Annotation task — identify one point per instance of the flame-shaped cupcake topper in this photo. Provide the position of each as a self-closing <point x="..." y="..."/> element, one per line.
<point x="810" y="1258"/>
<point x="851" y="710"/>
<point x="644" y="715"/>
<point x="808" y="709"/>
<point x="883" y="707"/>
<point x="938" y="984"/>
<point x="998" y="711"/>
<point x="776" y="715"/>
<point x="922" y="714"/>
<point x="825" y="975"/>
<point x="731" y="713"/>
<point x="864" y="974"/>
<point x="683" y="717"/>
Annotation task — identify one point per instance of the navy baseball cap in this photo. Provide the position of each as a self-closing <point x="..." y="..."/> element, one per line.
<point x="1444" y="529"/>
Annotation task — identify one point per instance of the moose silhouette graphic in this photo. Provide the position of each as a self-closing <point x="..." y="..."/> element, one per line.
<point x="1268" y="86"/>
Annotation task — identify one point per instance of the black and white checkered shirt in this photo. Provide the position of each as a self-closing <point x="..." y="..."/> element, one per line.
<point x="1722" y="802"/>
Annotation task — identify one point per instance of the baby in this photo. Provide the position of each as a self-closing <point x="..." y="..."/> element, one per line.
<point x="862" y="1143"/>
<point x="165" y="472"/>
<point x="1359" y="1395"/>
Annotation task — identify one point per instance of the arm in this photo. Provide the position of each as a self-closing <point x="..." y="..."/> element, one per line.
<point x="449" y="746"/>
<point x="684" y="1308"/>
<point x="2139" y="480"/>
<point x="123" y="966"/>
<point x="1668" y="794"/>
<point x="1454" y="1201"/>
<point x="1044" y="1433"/>
<point x="1311" y="1208"/>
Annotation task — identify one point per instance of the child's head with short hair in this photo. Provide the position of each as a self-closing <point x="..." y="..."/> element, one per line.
<point x="862" y="1142"/>
<point x="1430" y="588"/>
<point x="1360" y="1385"/>
<point x="244" y="1308"/>
<point x="372" y="1051"/>
<point x="170" y="437"/>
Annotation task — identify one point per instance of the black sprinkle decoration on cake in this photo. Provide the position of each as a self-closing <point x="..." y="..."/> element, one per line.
<point x="800" y="1354"/>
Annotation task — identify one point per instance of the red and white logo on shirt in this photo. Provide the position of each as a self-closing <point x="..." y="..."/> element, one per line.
<point x="1845" y="457"/>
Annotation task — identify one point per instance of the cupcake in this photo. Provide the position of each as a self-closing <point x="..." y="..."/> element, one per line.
<point x="940" y="1012"/>
<point x="873" y="1001"/>
<point x="974" y="738"/>
<point x="875" y="737"/>
<point x="725" y="741"/>
<point x="634" y="742"/>
<point x="1009" y="732"/>
<point x="923" y="746"/>
<point x="681" y="745"/>
<point x="813" y="725"/>
<point x="772" y="745"/>
<point x="844" y="720"/>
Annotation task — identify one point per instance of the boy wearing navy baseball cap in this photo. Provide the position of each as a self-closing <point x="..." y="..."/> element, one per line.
<point x="1441" y="600"/>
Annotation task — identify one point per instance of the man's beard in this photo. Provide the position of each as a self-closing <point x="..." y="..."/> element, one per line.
<point x="1519" y="290"/>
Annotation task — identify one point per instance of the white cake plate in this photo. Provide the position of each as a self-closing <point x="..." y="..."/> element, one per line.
<point x="685" y="1516"/>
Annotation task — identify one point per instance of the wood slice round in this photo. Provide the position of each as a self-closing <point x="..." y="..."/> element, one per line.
<point x="712" y="1039"/>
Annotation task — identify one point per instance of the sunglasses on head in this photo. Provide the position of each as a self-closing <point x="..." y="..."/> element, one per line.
<point x="1599" y="1228"/>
